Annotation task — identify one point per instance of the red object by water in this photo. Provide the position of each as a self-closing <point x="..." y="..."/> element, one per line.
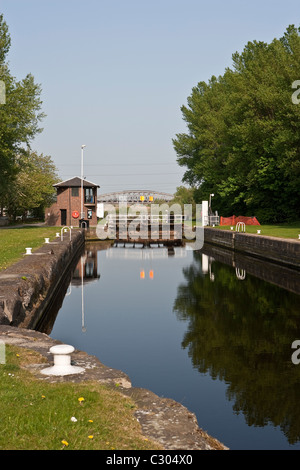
<point x="233" y="220"/>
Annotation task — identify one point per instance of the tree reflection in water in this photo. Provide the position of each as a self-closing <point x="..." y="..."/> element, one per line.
<point x="241" y="332"/>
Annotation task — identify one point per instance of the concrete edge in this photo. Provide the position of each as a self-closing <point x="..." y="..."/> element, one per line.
<point x="162" y="420"/>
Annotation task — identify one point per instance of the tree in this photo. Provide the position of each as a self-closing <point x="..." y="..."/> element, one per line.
<point x="19" y="117"/>
<point x="32" y="189"/>
<point x="243" y="139"/>
<point x="184" y="195"/>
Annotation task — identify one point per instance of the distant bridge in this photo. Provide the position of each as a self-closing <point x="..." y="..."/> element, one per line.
<point x="134" y="196"/>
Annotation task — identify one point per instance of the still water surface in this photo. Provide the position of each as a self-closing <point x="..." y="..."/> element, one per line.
<point x="188" y="327"/>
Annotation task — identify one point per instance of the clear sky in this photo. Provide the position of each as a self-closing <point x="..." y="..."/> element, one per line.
<point x="115" y="73"/>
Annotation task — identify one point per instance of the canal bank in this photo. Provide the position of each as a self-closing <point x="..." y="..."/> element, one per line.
<point x="283" y="251"/>
<point x="162" y="420"/>
<point x="28" y="287"/>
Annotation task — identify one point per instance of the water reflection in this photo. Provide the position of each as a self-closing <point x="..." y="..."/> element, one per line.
<point x="84" y="269"/>
<point x="140" y="252"/>
<point x="188" y="324"/>
<point x="241" y="333"/>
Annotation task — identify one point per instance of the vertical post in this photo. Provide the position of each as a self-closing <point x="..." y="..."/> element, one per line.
<point x="82" y="213"/>
<point x="209" y="208"/>
<point x="2" y="352"/>
<point x="82" y="299"/>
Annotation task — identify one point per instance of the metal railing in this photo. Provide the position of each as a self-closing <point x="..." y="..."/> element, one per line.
<point x="176" y="218"/>
<point x="65" y="229"/>
<point x="211" y="220"/>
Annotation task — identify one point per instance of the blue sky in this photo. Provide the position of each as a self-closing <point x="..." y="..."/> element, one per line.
<point x="115" y="73"/>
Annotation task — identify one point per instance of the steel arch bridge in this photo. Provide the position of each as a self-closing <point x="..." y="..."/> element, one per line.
<point x="133" y="196"/>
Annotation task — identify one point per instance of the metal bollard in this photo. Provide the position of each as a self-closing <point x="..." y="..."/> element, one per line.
<point x="62" y="361"/>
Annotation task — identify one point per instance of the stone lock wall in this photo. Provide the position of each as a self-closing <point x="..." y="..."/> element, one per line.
<point x="27" y="287"/>
<point x="278" y="250"/>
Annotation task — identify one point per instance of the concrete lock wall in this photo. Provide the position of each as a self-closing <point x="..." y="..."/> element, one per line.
<point x="28" y="287"/>
<point x="279" y="250"/>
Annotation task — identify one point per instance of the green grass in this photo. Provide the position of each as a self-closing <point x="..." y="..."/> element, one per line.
<point x="37" y="415"/>
<point x="282" y="231"/>
<point x="14" y="241"/>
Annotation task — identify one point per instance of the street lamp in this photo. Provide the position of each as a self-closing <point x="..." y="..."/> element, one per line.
<point x="82" y="213"/>
<point x="210" y="196"/>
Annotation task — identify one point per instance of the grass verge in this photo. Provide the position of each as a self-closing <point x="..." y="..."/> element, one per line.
<point x="37" y="415"/>
<point x="14" y="241"/>
<point x="281" y="231"/>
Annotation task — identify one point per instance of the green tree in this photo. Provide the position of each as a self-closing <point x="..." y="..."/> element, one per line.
<point x="184" y="195"/>
<point x="19" y="116"/>
<point x="243" y="139"/>
<point x="32" y="189"/>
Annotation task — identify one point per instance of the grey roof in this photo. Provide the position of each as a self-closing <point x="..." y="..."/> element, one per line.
<point x="76" y="183"/>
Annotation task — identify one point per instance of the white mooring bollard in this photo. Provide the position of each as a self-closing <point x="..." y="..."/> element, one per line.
<point x="47" y="240"/>
<point x="62" y="361"/>
<point x="28" y="251"/>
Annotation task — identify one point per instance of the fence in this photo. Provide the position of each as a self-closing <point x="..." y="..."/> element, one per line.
<point x="233" y="220"/>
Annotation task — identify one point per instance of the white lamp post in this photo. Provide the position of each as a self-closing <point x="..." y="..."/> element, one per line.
<point x="209" y="207"/>
<point x="210" y="196"/>
<point x="82" y="213"/>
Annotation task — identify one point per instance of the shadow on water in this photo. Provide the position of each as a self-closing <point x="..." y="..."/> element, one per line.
<point x="238" y="317"/>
